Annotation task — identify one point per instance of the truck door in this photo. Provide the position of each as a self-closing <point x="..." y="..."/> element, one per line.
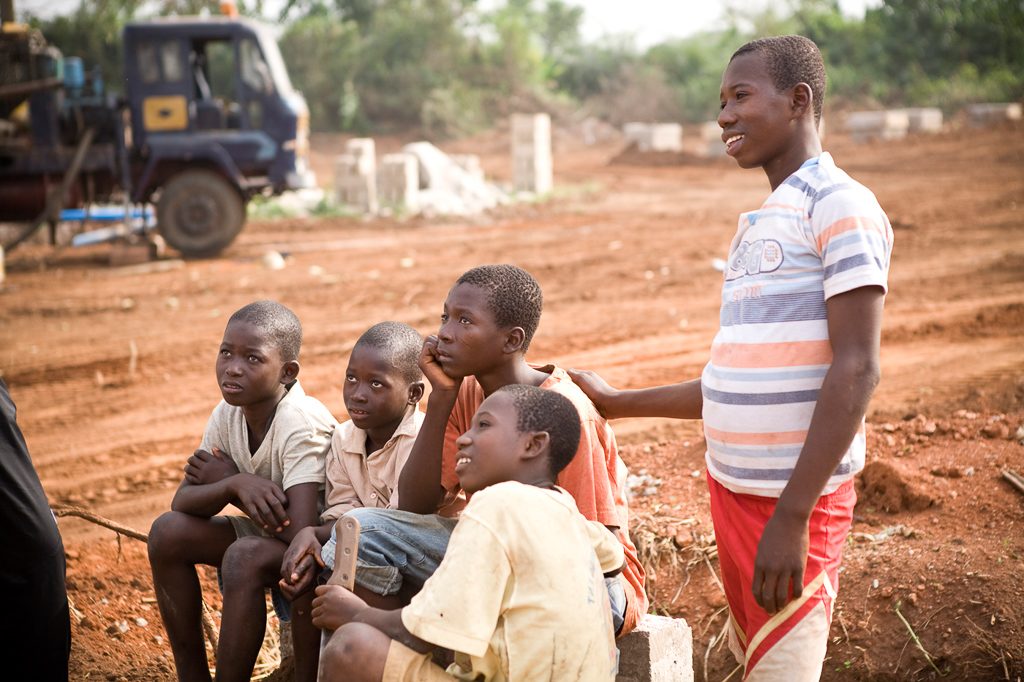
<point x="163" y="91"/>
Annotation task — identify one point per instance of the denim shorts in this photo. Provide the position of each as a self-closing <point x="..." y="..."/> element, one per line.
<point x="395" y="547"/>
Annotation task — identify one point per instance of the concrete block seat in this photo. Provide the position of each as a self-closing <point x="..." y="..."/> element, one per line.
<point x="660" y="649"/>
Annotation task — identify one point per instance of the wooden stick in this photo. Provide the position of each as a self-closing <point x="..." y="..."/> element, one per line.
<point x="1015" y="479"/>
<point x="69" y="510"/>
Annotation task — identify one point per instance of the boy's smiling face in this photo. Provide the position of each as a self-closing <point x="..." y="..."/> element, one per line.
<point x="469" y="340"/>
<point x="376" y="394"/>
<point x="492" y="449"/>
<point x="249" y="367"/>
<point x="756" y="118"/>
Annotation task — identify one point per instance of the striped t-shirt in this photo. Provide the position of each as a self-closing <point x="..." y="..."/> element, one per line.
<point x="819" y="234"/>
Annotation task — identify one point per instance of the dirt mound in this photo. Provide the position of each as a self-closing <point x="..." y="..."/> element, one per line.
<point x="884" y="486"/>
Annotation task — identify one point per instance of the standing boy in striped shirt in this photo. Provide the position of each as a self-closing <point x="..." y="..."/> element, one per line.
<point x="792" y="367"/>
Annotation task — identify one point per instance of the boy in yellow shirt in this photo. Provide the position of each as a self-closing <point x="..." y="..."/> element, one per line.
<point x="520" y="593"/>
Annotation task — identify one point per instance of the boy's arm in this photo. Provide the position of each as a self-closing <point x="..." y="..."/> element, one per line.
<point x="334" y="606"/>
<point x="419" y="484"/>
<point x="302" y="503"/>
<point x="854" y="329"/>
<point x="678" y="401"/>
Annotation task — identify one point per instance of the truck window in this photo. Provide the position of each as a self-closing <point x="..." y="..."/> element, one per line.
<point x="170" y="58"/>
<point x="157" y="58"/>
<point x="149" y="67"/>
<point x="255" y="72"/>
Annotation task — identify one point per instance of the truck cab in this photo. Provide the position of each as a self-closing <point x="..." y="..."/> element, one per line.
<point x="214" y="121"/>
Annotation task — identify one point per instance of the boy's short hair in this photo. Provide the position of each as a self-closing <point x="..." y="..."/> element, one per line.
<point x="513" y="296"/>
<point x="280" y="324"/>
<point x="791" y="60"/>
<point x="400" y="345"/>
<point x="542" y="410"/>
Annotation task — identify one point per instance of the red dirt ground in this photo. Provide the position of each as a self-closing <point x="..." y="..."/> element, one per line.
<point x="623" y="252"/>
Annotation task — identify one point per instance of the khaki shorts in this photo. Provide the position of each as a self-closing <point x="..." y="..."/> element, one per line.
<point x="405" y="665"/>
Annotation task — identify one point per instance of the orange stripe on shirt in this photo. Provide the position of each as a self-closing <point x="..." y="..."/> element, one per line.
<point x="848" y="225"/>
<point x="736" y="438"/>
<point x="785" y="354"/>
<point x="787" y="207"/>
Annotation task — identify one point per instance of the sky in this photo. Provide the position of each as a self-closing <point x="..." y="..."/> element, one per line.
<point x="648" y="21"/>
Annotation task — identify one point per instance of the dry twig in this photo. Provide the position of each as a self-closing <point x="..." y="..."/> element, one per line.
<point x="917" y="641"/>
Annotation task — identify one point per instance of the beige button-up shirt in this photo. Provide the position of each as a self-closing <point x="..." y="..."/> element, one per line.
<point x="356" y="478"/>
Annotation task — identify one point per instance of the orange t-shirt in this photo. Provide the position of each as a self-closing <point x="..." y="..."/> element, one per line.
<point x="592" y="477"/>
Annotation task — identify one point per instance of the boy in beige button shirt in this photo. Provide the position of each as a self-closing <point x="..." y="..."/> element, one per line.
<point x="383" y="384"/>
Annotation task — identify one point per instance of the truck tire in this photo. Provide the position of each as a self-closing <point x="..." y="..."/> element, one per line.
<point x="199" y="213"/>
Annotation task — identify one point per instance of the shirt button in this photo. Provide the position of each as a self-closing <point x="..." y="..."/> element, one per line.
<point x="373" y="495"/>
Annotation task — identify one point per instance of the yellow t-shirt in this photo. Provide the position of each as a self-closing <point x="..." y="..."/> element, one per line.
<point x="294" y="448"/>
<point x="520" y="594"/>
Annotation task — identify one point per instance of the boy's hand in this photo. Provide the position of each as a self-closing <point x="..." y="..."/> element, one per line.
<point x="334" y="606"/>
<point x="205" y="467"/>
<point x="596" y="388"/>
<point x="262" y="500"/>
<point x="298" y="568"/>
<point x="432" y="369"/>
<point x="781" y="559"/>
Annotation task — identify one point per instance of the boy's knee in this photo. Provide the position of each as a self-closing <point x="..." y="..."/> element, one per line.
<point x="345" y="648"/>
<point x="167" y="536"/>
<point x="244" y="560"/>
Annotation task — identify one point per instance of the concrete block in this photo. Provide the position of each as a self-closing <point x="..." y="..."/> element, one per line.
<point x="660" y="649"/>
<point x="355" y="175"/>
<point x="398" y="181"/>
<point x="877" y="125"/>
<point x="655" y="137"/>
<point x="532" y="168"/>
<point x="924" y="119"/>
<point x="991" y="113"/>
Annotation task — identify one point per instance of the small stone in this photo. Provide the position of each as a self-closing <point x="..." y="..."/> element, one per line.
<point x="927" y="429"/>
<point x="912" y="598"/>
<point x="874" y="584"/>
<point x="695" y="473"/>
<point x="172" y="303"/>
<point x="127" y="303"/>
<point x="158" y="639"/>
<point x="71" y="554"/>
<point x="887" y="591"/>
<point x="969" y="471"/>
<point x="272" y="260"/>
<point x="407" y="263"/>
<point x="141" y="622"/>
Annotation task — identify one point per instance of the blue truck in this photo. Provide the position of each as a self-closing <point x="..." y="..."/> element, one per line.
<point x="207" y="119"/>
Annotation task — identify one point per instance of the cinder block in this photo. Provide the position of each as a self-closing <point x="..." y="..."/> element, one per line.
<point x="655" y="137"/>
<point x="990" y="113"/>
<point x="532" y="169"/>
<point x="399" y="181"/>
<point x="355" y="175"/>
<point x="660" y="649"/>
<point x="877" y="125"/>
<point x="924" y="119"/>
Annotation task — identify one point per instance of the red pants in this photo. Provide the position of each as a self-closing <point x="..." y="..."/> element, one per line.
<point x="788" y="645"/>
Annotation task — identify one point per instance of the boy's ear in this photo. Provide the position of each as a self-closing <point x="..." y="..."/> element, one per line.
<point x="537" y="445"/>
<point x="289" y="371"/>
<point x="415" y="392"/>
<point x="802" y="100"/>
<point x="515" y="338"/>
